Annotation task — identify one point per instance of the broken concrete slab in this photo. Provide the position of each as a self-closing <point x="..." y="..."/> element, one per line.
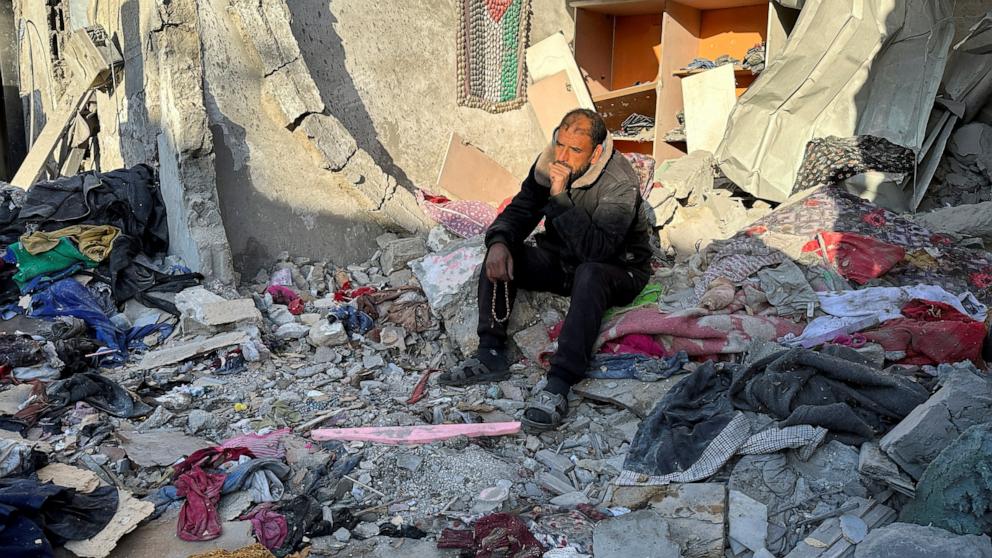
<point x="12" y="398"/>
<point x="158" y="538"/>
<point x="634" y="395"/>
<point x="158" y="448"/>
<point x="61" y="474"/>
<point x="964" y="400"/>
<point x="874" y="464"/>
<point x="902" y="540"/>
<point x="209" y="309"/>
<point x="181" y="352"/>
<point x="397" y="253"/>
<point x="695" y="513"/>
<point x="688" y="177"/>
<point x="554" y="461"/>
<point x="130" y="512"/>
<point x="532" y="341"/>
<point x="748" y="520"/>
<point x="556" y="483"/>
<point x="955" y="491"/>
<point x="639" y="533"/>
<point x="327" y="334"/>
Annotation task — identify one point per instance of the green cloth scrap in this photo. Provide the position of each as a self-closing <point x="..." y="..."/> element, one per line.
<point x="650" y="295"/>
<point x="64" y="255"/>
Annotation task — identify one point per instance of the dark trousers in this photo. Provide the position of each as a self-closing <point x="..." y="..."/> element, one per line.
<point x="593" y="288"/>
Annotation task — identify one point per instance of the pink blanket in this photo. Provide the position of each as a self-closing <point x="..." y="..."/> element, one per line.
<point x="698" y="332"/>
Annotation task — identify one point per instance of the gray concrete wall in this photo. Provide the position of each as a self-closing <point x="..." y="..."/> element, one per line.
<point x="387" y="71"/>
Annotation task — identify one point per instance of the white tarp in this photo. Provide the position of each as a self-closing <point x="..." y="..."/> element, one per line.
<point x="850" y="67"/>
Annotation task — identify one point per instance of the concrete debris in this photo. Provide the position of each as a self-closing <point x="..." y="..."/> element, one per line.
<point x="399" y="252"/>
<point x="640" y="533"/>
<point x="748" y="520"/>
<point x="900" y="540"/>
<point x="964" y="400"/>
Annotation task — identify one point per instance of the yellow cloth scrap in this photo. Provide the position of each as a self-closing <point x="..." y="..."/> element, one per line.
<point x="94" y="241"/>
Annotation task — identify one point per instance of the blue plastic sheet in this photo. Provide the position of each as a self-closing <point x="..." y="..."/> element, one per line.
<point x="636" y="367"/>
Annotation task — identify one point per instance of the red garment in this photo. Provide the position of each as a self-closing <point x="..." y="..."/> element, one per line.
<point x="498" y="534"/>
<point x="287" y="296"/>
<point x="270" y="527"/>
<point x="932" y="333"/>
<point x="634" y="344"/>
<point x="198" y="519"/>
<point x="858" y="258"/>
<point x="211" y="458"/>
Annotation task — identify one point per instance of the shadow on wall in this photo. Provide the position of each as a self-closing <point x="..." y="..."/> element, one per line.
<point x="325" y="56"/>
<point x="255" y="222"/>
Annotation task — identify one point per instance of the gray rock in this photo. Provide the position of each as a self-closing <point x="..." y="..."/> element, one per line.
<point x="905" y="540"/>
<point x="556" y="483"/>
<point x="157" y="419"/>
<point x="397" y="253"/>
<point x="570" y="500"/>
<point x="342" y="535"/>
<point x="554" y="461"/>
<point x="409" y="461"/>
<point x="690" y="176"/>
<point x="199" y="419"/>
<point x="964" y="400"/>
<point x="399" y="278"/>
<point x="853" y="528"/>
<point x="438" y="238"/>
<point x="326" y="334"/>
<point x="748" y="521"/>
<point x="280" y="314"/>
<point x="640" y="534"/>
<point x="292" y="330"/>
<point x="366" y="530"/>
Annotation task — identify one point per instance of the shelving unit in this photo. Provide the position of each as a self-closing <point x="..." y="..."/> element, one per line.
<point x="631" y="54"/>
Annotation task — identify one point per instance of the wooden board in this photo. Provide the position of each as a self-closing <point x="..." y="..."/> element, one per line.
<point x="718" y="4"/>
<point x="553" y="55"/>
<point x="551" y="98"/>
<point x="709" y="99"/>
<point x="593" y="49"/>
<point x="470" y="174"/>
<point x="615" y="107"/>
<point x="732" y="31"/>
<point x="634" y="40"/>
<point x="679" y="35"/>
<point x="621" y="7"/>
<point x="58" y="123"/>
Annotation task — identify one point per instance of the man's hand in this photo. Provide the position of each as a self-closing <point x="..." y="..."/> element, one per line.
<point x="560" y="173"/>
<point x="499" y="263"/>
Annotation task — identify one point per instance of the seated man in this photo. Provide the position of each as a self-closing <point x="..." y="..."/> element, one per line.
<point x="595" y="248"/>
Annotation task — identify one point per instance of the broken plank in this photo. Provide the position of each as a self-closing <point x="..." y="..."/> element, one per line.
<point x="30" y="170"/>
<point x="179" y="353"/>
<point x="469" y="174"/>
<point x="413" y="435"/>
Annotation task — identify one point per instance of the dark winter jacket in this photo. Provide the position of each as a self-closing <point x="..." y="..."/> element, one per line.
<point x="597" y="219"/>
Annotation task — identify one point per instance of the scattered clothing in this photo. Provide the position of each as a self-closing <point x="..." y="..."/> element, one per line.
<point x="261" y="445"/>
<point x="94" y="241"/>
<point x="858" y="258"/>
<point x="262" y="478"/>
<point x="787" y="289"/>
<point x="63" y="256"/>
<point x="36" y="517"/>
<point x="354" y="320"/>
<point x="270" y="528"/>
<point x="20" y="350"/>
<point x="465" y="218"/>
<point x="287" y="296"/>
<point x="98" y="391"/>
<point x="636" y="367"/>
<point x="493" y="536"/>
<point x="831" y="160"/>
<point x="754" y="59"/>
<point x="198" y="518"/>
<point x="932" y="333"/>
<point x="887" y="302"/>
<point x="634" y="344"/>
<point x="209" y="458"/>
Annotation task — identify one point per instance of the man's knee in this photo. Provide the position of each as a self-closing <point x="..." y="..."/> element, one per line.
<point x="590" y="276"/>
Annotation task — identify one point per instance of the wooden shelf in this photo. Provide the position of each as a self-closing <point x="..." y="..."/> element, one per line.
<point x="620" y="7"/>
<point x="632" y="139"/>
<point x="626" y="91"/>
<point x="720" y="4"/>
<point x="739" y="71"/>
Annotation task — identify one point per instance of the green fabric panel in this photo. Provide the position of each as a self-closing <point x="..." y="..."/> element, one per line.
<point x="62" y="256"/>
<point x="511" y="51"/>
<point x="650" y="295"/>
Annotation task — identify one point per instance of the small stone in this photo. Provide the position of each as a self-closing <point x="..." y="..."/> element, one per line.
<point x="326" y="355"/>
<point x="409" y="461"/>
<point x="372" y="361"/>
<point x="310" y="318"/>
<point x="280" y="314"/>
<point x="399" y="278"/>
<point x="853" y="528"/>
<point x="199" y="419"/>
<point x="748" y="520"/>
<point x="366" y="530"/>
<point x="342" y="535"/>
<point x="533" y="443"/>
<point x="292" y="330"/>
<point x="554" y="461"/>
<point x="326" y="334"/>
<point x="160" y="417"/>
<point x="555" y="483"/>
<point x="570" y="500"/>
<point x="397" y="253"/>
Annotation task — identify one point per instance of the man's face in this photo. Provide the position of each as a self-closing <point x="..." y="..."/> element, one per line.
<point x="575" y="150"/>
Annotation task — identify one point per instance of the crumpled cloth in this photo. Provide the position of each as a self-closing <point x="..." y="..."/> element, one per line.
<point x="698" y="333"/>
<point x="198" y="518"/>
<point x="262" y="478"/>
<point x="99" y="391"/>
<point x="634" y="344"/>
<point x="931" y="333"/>
<point x="285" y="295"/>
<point x="636" y="367"/>
<point x="858" y="258"/>
<point x="261" y="445"/>
<point x="788" y="290"/>
<point x="466" y="218"/>
<point x="353" y="319"/>
<point x="94" y="241"/>
<point x="270" y="527"/>
<point x="211" y="458"/>
<point x="720" y="293"/>
<point x="62" y="256"/>
<point x="493" y="536"/>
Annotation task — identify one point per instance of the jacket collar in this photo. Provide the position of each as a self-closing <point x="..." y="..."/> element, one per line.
<point x="542" y="169"/>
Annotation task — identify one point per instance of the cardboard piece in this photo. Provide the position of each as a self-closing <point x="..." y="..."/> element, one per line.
<point x="470" y="174"/>
<point x="130" y="512"/>
<point x="849" y="68"/>
<point x="553" y="55"/>
<point x="66" y="475"/>
<point x="552" y="98"/>
<point x="709" y="99"/>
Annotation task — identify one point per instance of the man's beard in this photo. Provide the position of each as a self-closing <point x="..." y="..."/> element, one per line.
<point x="575" y="174"/>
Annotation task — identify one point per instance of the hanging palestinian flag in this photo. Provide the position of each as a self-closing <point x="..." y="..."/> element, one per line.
<point x="492" y="43"/>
